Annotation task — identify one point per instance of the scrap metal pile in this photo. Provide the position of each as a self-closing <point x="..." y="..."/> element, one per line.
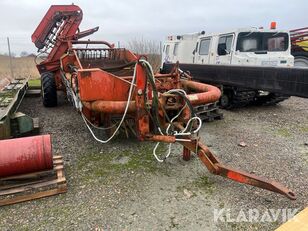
<point x="112" y="86"/>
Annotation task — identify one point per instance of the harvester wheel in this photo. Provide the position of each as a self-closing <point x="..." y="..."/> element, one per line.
<point x="49" y="90"/>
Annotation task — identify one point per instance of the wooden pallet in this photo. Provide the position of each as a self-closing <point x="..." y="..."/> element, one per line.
<point x="33" y="186"/>
<point x="208" y="112"/>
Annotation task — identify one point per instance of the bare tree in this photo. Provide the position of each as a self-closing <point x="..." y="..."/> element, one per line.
<point x="149" y="48"/>
<point x="24" y="54"/>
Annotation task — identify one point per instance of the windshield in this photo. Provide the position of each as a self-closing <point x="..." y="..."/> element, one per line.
<point x="262" y="41"/>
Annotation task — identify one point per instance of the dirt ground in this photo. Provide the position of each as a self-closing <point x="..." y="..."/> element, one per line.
<point x="120" y="186"/>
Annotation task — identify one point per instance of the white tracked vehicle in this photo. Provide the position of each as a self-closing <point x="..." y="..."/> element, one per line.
<point x="240" y="47"/>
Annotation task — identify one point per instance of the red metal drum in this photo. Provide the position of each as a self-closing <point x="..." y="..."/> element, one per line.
<point x="25" y="155"/>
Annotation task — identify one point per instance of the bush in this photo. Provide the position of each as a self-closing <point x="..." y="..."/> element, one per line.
<point x="150" y="48"/>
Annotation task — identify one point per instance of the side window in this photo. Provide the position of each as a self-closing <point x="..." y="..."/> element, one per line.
<point x="277" y="44"/>
<point x="195" y="50"/>
<point x="249" y="44"/>
<point x="229" y="42"/>
<point x="167" y="50"/>
<point x="175" y="50"/>
<point x="204" y="47"/>
<point x="225" y="42"/>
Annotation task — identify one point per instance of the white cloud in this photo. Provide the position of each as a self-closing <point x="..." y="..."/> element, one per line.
<point x="124" y="20"/>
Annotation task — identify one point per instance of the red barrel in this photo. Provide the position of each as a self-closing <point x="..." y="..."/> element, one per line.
<point x="25" y="155"/>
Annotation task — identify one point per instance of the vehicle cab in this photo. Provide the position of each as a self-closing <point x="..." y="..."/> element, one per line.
<point x="248" y="46"/>
<point x="179" y="48"/>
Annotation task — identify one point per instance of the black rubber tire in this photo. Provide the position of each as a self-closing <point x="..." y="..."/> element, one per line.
<point x="225" y="101"/>
<point x="49" y="90"/>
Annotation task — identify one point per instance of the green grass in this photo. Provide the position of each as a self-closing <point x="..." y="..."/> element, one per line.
<point x="201" y="183"/>
<point x="34" y="83"/>
<point x="205" y="184"/>
<point x="95" y="166"/>
<point x="304" y="129"/>
<point x="283" y="132"/>
<point x="8" y="94"/>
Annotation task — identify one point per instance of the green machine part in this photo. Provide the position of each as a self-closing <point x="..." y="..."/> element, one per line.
<point x="12" y="123"/>
<point x="22" y="124"/>
<point x="5" y="128"/>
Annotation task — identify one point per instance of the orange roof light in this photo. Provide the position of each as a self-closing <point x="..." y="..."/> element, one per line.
<point x="273" y="25"/>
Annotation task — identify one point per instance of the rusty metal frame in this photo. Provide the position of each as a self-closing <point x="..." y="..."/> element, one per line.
<point x="102" y="88"/>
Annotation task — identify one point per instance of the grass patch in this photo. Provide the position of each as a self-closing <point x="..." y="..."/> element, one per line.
<point x="34" y="83"/>
<point x="202" y="184"/>
<point x="283" y="132"/>
<point x="304" y="129"/>
<point x="8" y="94"/>
<point x="98" y="165"/>
<point x="205" y="184"/>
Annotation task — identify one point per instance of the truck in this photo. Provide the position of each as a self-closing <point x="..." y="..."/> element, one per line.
<point x="241" y="47"/>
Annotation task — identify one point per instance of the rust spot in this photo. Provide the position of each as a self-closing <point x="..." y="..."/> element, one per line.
<point x="85" y="74"/>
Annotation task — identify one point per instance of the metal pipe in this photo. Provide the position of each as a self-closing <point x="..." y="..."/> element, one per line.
<point x="25" y="155"/>
<point x="161" y="138"/>
<point x="113" y="107"/>
<point x="208" y="93"/>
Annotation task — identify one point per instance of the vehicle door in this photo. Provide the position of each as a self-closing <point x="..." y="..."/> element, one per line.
<point x="201" y="55"/>
<point x="224" y="49"/>
<point x="166" y="54"/>
<point x="175" y="53"/>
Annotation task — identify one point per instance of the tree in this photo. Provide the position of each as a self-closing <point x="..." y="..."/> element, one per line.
<point x="150" y="48"/>
<point x="24" y="54"/>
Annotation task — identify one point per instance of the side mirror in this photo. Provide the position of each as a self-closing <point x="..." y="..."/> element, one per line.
<point x="222" y="49"/>
<point x="194" y="52"/>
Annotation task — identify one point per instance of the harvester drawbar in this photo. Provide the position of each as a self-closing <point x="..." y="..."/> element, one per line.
<point x="107" y="84"/>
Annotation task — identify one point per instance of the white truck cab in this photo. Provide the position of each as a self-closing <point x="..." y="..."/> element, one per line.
<point x="247" y="46"/>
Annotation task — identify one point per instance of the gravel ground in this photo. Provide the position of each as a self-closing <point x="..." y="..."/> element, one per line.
<point x="120" y="186"/>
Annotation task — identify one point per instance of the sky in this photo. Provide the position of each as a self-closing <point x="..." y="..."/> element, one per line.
<point x="126" y="20"/>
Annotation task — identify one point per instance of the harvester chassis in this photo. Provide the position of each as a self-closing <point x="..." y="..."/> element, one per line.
<point x="105" y="84"/>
